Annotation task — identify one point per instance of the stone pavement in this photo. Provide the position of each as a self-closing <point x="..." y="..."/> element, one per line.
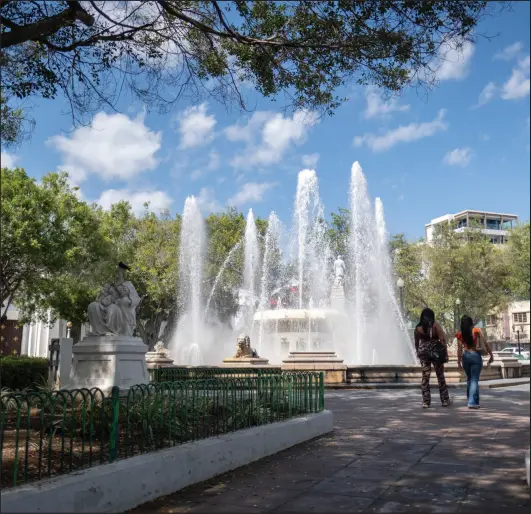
<point x="386" y="454"/>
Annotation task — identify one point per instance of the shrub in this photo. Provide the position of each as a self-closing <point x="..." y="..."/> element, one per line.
<point x="18" y="373"/>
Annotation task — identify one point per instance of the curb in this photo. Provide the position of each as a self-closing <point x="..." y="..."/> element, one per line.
<point x="460" y="385"/>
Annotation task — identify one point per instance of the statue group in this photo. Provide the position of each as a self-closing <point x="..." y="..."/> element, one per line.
<point x="114" y="311"/>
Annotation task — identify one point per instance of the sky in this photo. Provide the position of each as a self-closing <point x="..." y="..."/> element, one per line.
<point x="464" y="145"/>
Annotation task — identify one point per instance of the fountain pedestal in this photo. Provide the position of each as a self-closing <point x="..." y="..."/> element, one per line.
<point x="334" y="369"/>
<point x="107" y="361"/>
<point x="244" y="362"/>
<point x="337" y="297"/>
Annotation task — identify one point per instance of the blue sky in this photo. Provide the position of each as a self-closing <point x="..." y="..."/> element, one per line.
<point x="463" y="146"/>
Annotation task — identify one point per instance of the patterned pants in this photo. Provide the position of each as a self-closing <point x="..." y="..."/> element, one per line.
<point x="425" y="385"/>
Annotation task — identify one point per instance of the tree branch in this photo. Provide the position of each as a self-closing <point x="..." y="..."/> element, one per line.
<point x="46" y="27"/>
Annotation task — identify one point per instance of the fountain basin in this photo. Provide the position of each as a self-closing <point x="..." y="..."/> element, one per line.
<point x="298" y="330"/>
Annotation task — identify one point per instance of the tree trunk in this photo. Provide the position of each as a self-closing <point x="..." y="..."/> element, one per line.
<point x="75" y="332"/>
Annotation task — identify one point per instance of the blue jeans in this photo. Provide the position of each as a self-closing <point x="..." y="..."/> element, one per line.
<point x="472" y="364"/>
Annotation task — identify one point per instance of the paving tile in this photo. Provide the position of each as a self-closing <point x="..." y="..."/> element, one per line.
<point x="426" y="492"/>
<point x="259" y="498"/>
<point x="385" y="455"/>
<point x="387" y="475"/>
<point x="362" y="488"/>
<point x="325" y="504"/>
<point x="390" y="506"/>
<point x="207" y="508"/>
<point x="297" y="481"/>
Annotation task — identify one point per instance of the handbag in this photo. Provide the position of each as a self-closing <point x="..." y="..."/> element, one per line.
<point x="437" y="352"/>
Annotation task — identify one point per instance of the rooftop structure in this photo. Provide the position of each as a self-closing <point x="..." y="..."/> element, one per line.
<point x="496" y="225"/>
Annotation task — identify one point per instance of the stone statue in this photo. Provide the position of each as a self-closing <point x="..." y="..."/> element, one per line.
<point x="114" y="311"/>
<point x="243" y="347"/>
<point x="161" y="349"/>
<point x="339" y="270"/>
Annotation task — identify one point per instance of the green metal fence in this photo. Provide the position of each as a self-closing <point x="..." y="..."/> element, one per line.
<point x="45" y="434"/>
<point x="175" y="374"/>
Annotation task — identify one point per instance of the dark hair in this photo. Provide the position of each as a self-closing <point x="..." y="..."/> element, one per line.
<point x="427" y="319"/>
<point x="467" y="327"/>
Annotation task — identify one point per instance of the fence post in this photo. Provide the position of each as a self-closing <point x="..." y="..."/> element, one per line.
<point x="113" y="443"/>
<point x="321" y="390"/>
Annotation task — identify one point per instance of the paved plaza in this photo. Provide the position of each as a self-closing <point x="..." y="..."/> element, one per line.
<point x="386" y="454"/>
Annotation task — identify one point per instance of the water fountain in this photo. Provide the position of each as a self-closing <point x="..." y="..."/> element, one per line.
<point x="302" y="322"/>
<point x="299" y="308"/>
<point x="185" y="346"/>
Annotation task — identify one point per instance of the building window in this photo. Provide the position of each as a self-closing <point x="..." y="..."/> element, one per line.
<point x="520" y="317"/>
<point x="491" y="319"/>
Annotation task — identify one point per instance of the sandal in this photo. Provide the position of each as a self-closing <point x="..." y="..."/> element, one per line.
<point x="447" y="403"/>
<point x="425" y="405"/>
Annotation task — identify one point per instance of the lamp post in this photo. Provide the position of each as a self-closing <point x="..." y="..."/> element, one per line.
<point x="457" y="304"/>
<point x="517" y="330"/>
<point x="400" y="285"/>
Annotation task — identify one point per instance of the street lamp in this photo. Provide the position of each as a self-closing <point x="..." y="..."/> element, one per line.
<point x="400" y="285"/>
<point x="457" y="304"/>
<point x="517" y="330"/>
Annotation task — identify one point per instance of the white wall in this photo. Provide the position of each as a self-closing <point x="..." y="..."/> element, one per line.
<point x="36" y="336"/>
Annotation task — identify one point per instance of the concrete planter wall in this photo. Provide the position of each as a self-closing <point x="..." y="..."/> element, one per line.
<point x="127" y="483"/>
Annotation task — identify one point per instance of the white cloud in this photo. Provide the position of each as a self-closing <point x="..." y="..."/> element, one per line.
<point x="487" y="94"/>
<point x="268" y="136"/>
<point x="248" y="131"/>
<point x="114" y="146"/>
<point x="454" y="60"/>
<point x="8" y="160"/>
<point x="458" y="157"/>
<point x="251" y="192"/>
<point x="158" y="200"/>
<point x="403" y="134"/>
<point x="310" y="160"/>
<point x="377" y="107"/>
<point x="196" y="126"/>
<point x="509" y="52"/>
<point x="207" y="201"/>
<point x="518" y="84"/>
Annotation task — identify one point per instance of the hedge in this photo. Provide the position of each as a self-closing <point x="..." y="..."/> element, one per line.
<point x="22" y="372"/>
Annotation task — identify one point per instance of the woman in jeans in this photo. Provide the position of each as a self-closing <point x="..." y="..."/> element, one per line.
<point x="427" y="334"/>
<point x="469" y="358"/>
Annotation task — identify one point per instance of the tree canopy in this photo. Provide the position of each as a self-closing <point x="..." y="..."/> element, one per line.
<point x="519" y="261"/>
<point x="91" y="51"/>
<point x="46" y="231"/>
<point x="464" y="265"/>
<point x="58" y="251"/>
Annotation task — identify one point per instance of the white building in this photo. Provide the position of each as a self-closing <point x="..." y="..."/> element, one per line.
<point x="493" y="224"/>
<point x="30" y="339"/>
<point x="510" y="325"/>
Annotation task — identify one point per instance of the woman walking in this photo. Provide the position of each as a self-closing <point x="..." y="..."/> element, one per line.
<point x="430" y="343"/>
<point x="470" y="343"/>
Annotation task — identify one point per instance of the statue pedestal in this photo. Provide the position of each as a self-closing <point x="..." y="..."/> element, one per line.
<point x="244" y="362"/>
<point x="107" y="361"/>
<point x="337" y="297"/>
<point x="157" y="360"/>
